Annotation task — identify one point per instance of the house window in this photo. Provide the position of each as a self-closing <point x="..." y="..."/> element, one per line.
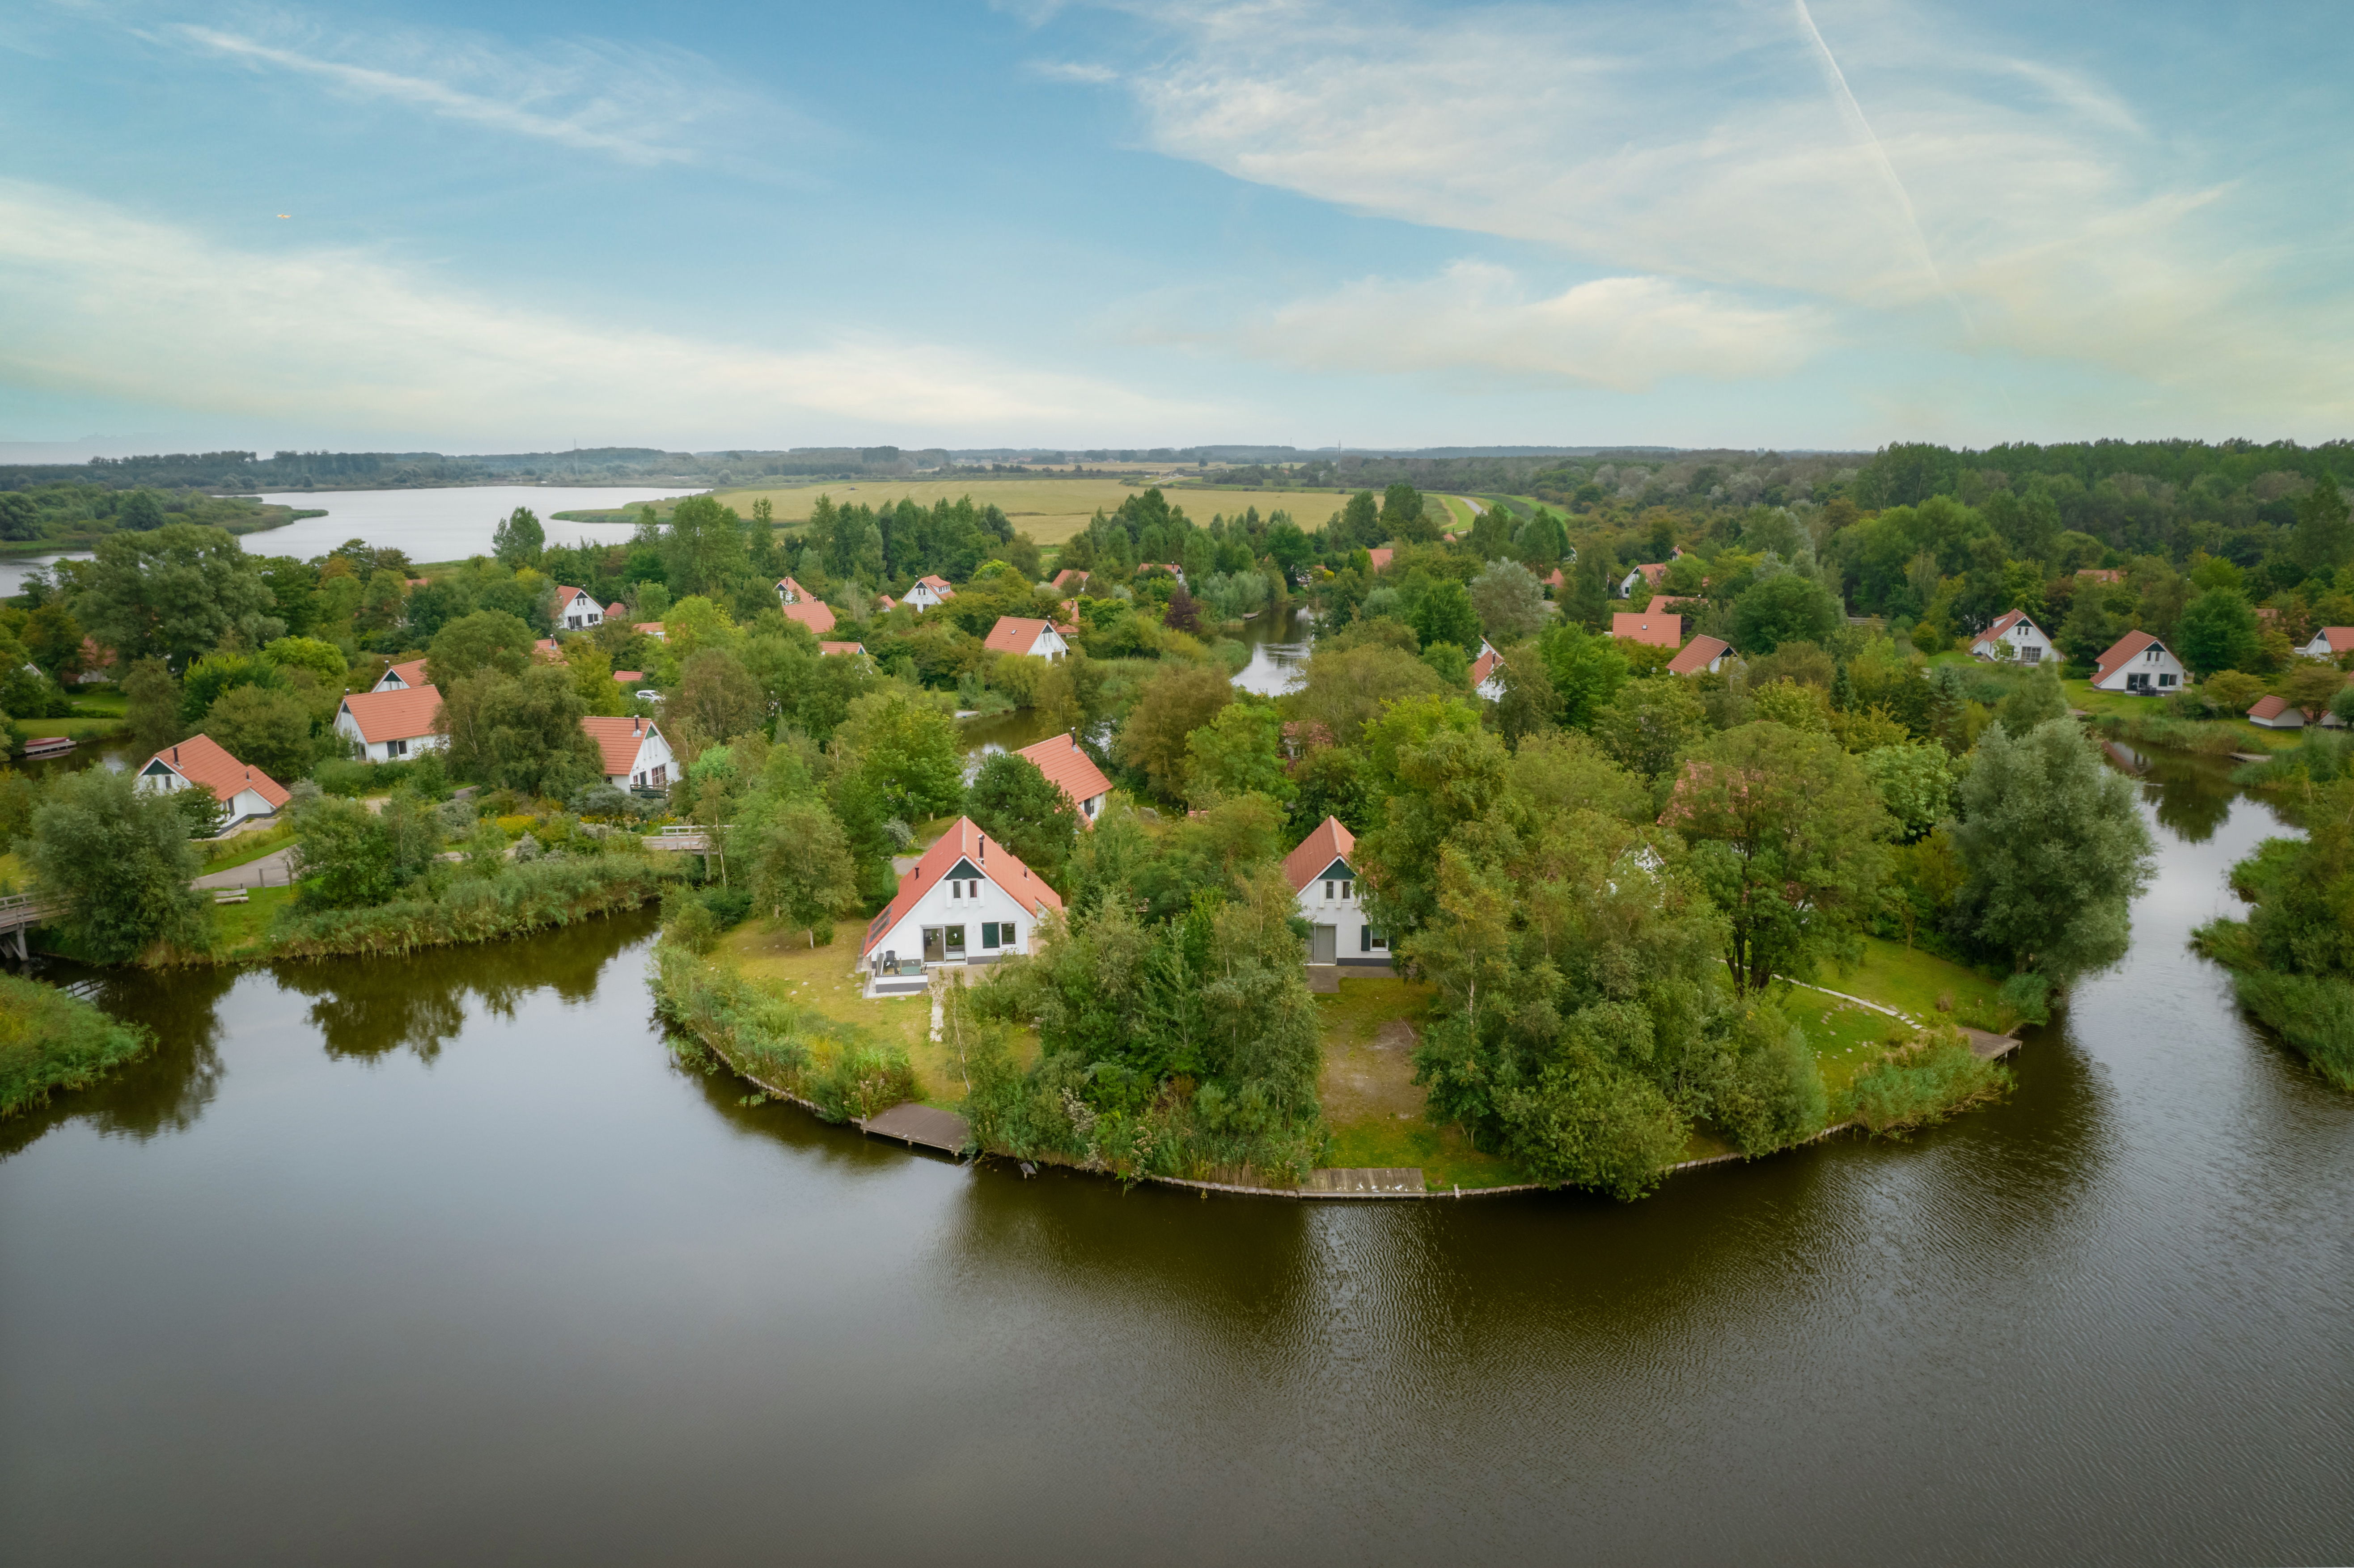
<point x="1328" y="893"/>
<point x="956" y="939"/>
<point x="396" y="748"/>
<point x="2031" y="655"/>
<point x="657" y="780"/>
<point x="2166" y="680"/>
<point x="1371" y="941"/>
<point x="1348" y="891"/>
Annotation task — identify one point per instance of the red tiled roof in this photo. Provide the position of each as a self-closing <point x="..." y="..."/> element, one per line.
<point x="618" y="739"/>
<point x="565" y="596"/>
<point x="547" y="651"/>
<point x="1381" y="558"/>
<point x="411" y="672"/>
<point x="394" y="716"/>
<point x="1014" y="634"/>
<point x="204" y="760"/>
<point x="1328" y="843"/>
<point x="964" y="841"/>
<point x="2269" y="707"/>
<point x="1994" y="633"/>
<point x="1067" y="767"/>
<point x="1652" y="571"/>
<point x="93" y="657"/>
<point x="2341" y="637"/>
<point x="792" y="591"/>
<point x="1698" y="654"/>
<point x="884" y="601"/>
<point x="1662" y="602"/>
<point x="615" y="611"/>
<point x="1484" y="666"/>
<point x="2126" y="648"/>
<point x="648" y="629"/>
<point x="825" y="648"/>
<point x="1556" y="582"/>
<point x="939" y="585"/>
<point x="815" y="614"/>
<point x="1065" y="578"/>
<point x="629" y="677"/>
<point x="1659" y="630"/>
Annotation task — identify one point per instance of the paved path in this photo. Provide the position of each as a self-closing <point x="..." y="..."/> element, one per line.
<point x="272" y="870"/>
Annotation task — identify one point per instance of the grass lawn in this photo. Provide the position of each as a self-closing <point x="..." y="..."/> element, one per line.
<point x="1371" y="1099"/>
<point x="1912" y="981"/>
<point x="1049" y="510"/>
<point x="87" y="726"/>
<point x="245" y="848"/>
<point x="1844" y="1037"/>
<point x="828" y="980"/>
<point x="2245" y="736"/>
<point x="1461" y="515"/>
<point x="243" y="928"/>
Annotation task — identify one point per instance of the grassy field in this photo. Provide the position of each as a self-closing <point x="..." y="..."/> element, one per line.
<point x="1049" y="510"/>
<point x="247" y="847"/>
<point x="242" y="927"/>
<point x="2151" y="711"/>
<point x="1371" y="1100"/>
<point x="87" y="726"/>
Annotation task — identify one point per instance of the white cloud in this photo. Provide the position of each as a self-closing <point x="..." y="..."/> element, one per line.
<point x="96" y="301"/>
<point x="1966" y="200"/>
<point x="644" y="106"/>
<point x="1626" y="333"/>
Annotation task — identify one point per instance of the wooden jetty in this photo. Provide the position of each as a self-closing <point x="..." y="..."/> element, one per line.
<point x="920" y="1126"/>
<point x="1364" y="1181"/>
<point x="19" y="915"/>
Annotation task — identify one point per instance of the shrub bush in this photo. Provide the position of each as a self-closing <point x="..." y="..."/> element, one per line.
<point x="2314" y="1014"/>
<point x="1924" y="1082"/>
<point x="50" y="1041"/>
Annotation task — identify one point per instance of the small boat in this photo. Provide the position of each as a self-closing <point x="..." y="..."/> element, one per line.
<point x="49" y="745"/>
<point x="1250" y="615"/>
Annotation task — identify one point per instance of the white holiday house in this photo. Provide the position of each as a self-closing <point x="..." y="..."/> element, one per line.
<point x="1486" y="677"/>
<point x="2331" y="642"/>
<point x="1072" y="771"/>
<point x="1329" y="899"/>
<point x="390" y="725"/>
<point x="575" y="610"/>
<point x="2138" y="663"/>
<point x="401" y="677"/>
<point x="1020" y="634"/>
<point x="247" y="792"/>
<point x="2014" y="640"/>
<point x="635" y="756"/>
<point x="930" y="593"/>
<point x="970" y="900"/>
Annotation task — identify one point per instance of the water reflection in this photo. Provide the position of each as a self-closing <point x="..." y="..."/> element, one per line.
<point x="164" y="1091"/>
<point x="365" y="1008"/>
<point x="2193" y="794"/>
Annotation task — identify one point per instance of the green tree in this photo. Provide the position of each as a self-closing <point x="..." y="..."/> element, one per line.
<point x="1587" y="671"/>
<point x="54" y="639"/>
<point x="1784" y="608"/>
<point x="519" y="539"/>
<point x="1648" y="725"/>
<point x="2055" y="850"/>
<point x="519" y="732"/>
<point x="796" y="863"/>
<point x="151" y="706"/>
<point x="174" y="593"/>
<point x="1178" y="700"/>
<point x="2324" y="538"/>
<point x="1026" y="811"/>
<point x="349" y="857"/>
<point x="1787" y="837"/>
<point x="703" y="548"/>
<point x="1915" y="783"/>
<point x="718" y="695"/>
<point x="140" y="513"/>
<point x="324" y="660"/>
<point x="216" y="673"/>
<point x="906" y="750"/>
<point x="117" y="861"/>
<point x="264" y="727"/>
<point x="1239" y="752"/>
<point x="2036" y="700"/>
<point x="1444" y="614"/>
<point x="2217" y="631"/>
<point x="485" y="640"/>
<point x="1509" y="601"/>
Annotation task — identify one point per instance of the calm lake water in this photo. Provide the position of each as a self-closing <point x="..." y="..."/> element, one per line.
<point x="447" y="524"/>
<point x="444" y="1261"/>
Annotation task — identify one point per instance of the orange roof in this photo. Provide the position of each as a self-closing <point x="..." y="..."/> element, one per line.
<point x="2339" y="638"/>
<point x="1659" y="630"/>
<point x="1067" y="767"/>
<point x="1653" y="571"/>
<point x="1662" y="602"/>
<point x="815" y="614"/>
<point x="93" y="657"/>
<point x="1065" y="578"/>
<point x="824" y="648"/>
<point x="615" y="611"/>
<point x="1381" y="558"/>
<point x="648" y="629"/>
<point x="547" y="651"/>
<point x="2010" y="618"/>
<point x="963" y="841"/>
<point x="2269" y="707"/>
<point x="939" y="585"/>
<point x="791" y="591"/>
<point x="1328" y="843"/>
<point x="1555" y="581"/>
<point x="1483" y="667"/>
<point x="203" y="760"/>
<point x="1698" y="654"/>
<point x="629" y="677"/>
<point x="619" y="739"/>
<point x="565" y="596"/>
<point x="411" y="672"/>
<point x="2123" y="649"/>
<point x="1014" y="634"/>
<point x="394" y="716"/>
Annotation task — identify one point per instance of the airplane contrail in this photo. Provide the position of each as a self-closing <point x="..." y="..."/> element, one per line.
<point x="1852" y="112"/>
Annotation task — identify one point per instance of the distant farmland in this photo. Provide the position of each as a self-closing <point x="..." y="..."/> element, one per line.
<point x="1049" y="510"/>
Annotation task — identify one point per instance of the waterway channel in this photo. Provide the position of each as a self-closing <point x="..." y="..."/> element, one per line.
<point x="444" y="1260"/>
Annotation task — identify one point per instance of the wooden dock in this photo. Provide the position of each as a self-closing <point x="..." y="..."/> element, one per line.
<point x="921" y="1127"/>
<point x="1364" y="1181"/>
<point x="19" y="915"/>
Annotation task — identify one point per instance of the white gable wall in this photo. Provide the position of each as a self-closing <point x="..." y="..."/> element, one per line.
<point x="384" y="750"/>
<point x="2023" y="644"/>
<point x="2153" y="672"/>
<point x="960" y="907"/>
<point x="158" y="778"/>
<point x="1335" y="901"/>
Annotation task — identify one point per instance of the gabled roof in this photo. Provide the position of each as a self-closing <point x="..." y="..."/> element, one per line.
<point x="565" y="596"/>
<point x="616" y="610"/>
<point x="1381" y="558"/>
<point x="815" y="614"/>
<point x="1659" y="630"/>
<point x="648" y="629"/>
<point x="2101" y="574"/>
<point x="618" y="739"/>
<point x="547" y="651"/>
<point x="1014" y="634"/>
<point x="824" y="648"/>
<point x="1328" y="843"/>
<point x="1652" y="571"/>
<point x="2340" y="638"/>
<point x="789" y="590"/>
<point x="939" y="585"/>
<point x="1484" y="666"/>
<point x="1067" y="575"/>
<point x="1663" y="602"/>
<point x="1067" y="767"/>
<point x="2269" y="707"/>
<point x="1698" y="656"/>
<point x="964" y="841"/>
<point x="2011" y="619"/>
<point x="411" y="673"/>
<point x="2125" y="649"/>
<point x="204" y="760"/>
<point x="395" y="714"/>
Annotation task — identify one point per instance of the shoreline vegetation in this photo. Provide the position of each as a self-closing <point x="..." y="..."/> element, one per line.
<point x="51" y="1042"/>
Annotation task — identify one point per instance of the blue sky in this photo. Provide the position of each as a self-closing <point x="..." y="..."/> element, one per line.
<point x="1813" y="222"/>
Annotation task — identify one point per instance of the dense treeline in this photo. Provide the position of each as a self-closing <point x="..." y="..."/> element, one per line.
<point x="2293" y="956"/>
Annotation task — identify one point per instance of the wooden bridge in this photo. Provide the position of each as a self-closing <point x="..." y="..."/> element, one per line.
<point x="683" y="837"/>
<point x="19" y="915"/>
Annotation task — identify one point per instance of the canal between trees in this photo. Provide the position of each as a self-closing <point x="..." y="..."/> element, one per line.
<point x="444" y="1259"/>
